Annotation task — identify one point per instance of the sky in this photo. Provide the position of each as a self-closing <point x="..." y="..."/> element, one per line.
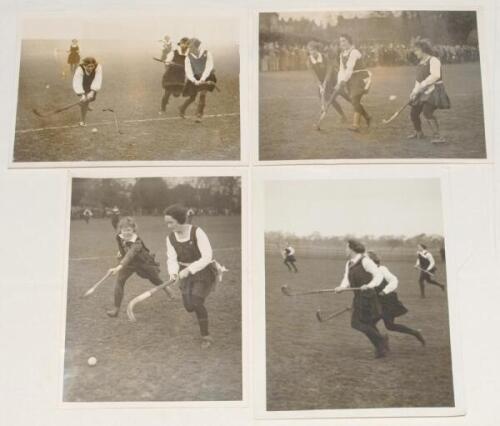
<point x="405" y="207"/>
<point x="211" y="31"/>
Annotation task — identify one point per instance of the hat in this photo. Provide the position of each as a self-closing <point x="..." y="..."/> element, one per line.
<point x="356" y="246"/>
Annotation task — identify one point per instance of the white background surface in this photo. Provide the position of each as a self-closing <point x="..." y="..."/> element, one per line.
<point x="32" y="252"/>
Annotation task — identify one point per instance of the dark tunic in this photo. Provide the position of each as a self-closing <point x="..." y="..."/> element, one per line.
<point x="136" y="257"/>
<point x="438" y="98"/>
<point x="74" y="55"/>
<point x="321" y="69"/>
<point x="87" y="81"/>
<point x="365" y="306"/>
<point x="175" y="75"/>
<point x="390" y="304"/>
<point x="424" y="263"/>
<point x="289" y="257"/>
<point x="198" y="65"/>
<point x="360" y="80"/>
<point x="201" y="283"/>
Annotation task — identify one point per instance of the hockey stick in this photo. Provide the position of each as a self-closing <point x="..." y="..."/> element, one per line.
<point x="144" y="296"/>
<point x="97" y="284"/>
<point x="396" y="114"/>
<point x="55" y="111"/>
<point x="423" y="270"/>
<point x="114" y="116"/>
<point x="288" y="292"/>
<point x="324" y="108"/>
<point x="321" y="318"/>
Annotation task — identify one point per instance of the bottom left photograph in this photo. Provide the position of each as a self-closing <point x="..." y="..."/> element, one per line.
<point x="153" y="303"/>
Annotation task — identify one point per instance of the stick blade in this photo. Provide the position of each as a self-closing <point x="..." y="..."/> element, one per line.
<point x="37" y="113"/>
<point x="286" y="290"/>
<point x="318" y="316"/>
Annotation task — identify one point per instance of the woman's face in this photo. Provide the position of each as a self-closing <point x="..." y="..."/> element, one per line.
<point x="419" y="53"/>
<point x="127" y="232"/>
<point x="344" y="43"/>
<point x="89" y="68"/>
<point x="420" y="248"/>
<point x="172" y="224"/>
<point x="349" y="253"/>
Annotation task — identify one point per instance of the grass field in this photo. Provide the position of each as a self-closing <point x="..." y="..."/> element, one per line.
<point x="132" y="87"/>
<point x="312" y="365"/>
<point x="158" y="358"/>
<point x="289" y="108"/>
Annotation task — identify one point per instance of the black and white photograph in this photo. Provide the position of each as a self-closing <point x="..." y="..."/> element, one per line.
<point x="368" y="84"/>
<point x="154" y="305"/>
<point x="356" y="296"/>
<point x="128" y="87"/>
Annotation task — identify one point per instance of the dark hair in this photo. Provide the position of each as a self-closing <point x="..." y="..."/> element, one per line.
<point x="183" y="40"/>
<point x="89" y="60"/>
<point x="356" y="246"/>
<point x="425" y="45"/>
<point x="423" y="246"/>
<point x="347" y="37"/>
<point x="373" y="256"/>
<point x="178" y="212"/>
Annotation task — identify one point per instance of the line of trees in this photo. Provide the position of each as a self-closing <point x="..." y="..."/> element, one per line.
<point x="150" y="196"/>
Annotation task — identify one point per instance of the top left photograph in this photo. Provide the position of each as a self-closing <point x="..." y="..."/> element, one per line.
<point x="140" y="88"/>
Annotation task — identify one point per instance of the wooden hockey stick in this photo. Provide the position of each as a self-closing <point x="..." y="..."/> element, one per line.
<point x="97" y="284"/>
<point x="144" y="296"/>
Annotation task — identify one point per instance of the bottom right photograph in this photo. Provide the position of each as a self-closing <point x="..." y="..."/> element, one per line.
<point x="356" y="295"/>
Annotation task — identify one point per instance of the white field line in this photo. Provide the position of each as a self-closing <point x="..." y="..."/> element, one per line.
<point x="107" y="123"/>
<point x="78" y="259"/>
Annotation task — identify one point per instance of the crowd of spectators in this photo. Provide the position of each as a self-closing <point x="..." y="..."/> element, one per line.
<point x="280" y="56"/>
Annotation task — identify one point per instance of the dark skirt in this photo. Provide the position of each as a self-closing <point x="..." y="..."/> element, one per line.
<point x="191" y="89"/>
<point x="438" y="98"/>
<point x="173" y="79"/>
<point x="366" y="306"/>
<point x="149" y="272"/>
<point x="73" y="58"/>
<point x="391" y="305"/>
<point x="200" y="284"/>
<point x="290" y="258"/>
<point x="359" y="84"/>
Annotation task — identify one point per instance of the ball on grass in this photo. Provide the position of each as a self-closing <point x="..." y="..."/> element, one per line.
<point x="392" y="97"/>
<point x="94" y="130"/>
<point x="47" y="86"/>
<point x="92" y="361"/>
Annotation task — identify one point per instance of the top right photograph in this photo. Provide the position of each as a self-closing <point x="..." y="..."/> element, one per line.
<point x="370" y="85"/>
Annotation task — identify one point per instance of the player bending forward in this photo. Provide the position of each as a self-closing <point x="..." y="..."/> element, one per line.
<point x="428" y="93"/>
<point x="390" y="303"/>
<point x="427" y="266"/>
<point x="189" y="259"/>
<point x="361" y="272"/>
<point x="135" y="258"/>
<point x="175" y="76"/>
<point x="289" y="258"/>
<point x="200" y="77"/>
<point x="87" y="81"/>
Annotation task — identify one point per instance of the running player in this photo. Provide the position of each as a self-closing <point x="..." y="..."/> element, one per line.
<point x="87" y="215"/>
<point x="174" y="77"/>
<point x="427" y="266"/>
<point x="115" y="217"/>
<point x="325" y="75"/>
<point x="87" y="81"/>
<point x="353" y="79"/>
<point x="73" y="56"/>
<point x="200" y="75"/>
<point x="189" y="259"/>
<point x="390" y="303"/>
<point x="361" y="272"/>
<point x="135" y="257"/>
<point x="166" y="47"/>
<point x="289" y="258"/>
<point x="428" y="94"/>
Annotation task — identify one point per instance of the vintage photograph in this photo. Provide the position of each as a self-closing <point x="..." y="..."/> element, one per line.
<point x="154" y="310"/>
<point x="370" y="85"/>
<point x="356" y="295"/>
<point x="114" y="87"/>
